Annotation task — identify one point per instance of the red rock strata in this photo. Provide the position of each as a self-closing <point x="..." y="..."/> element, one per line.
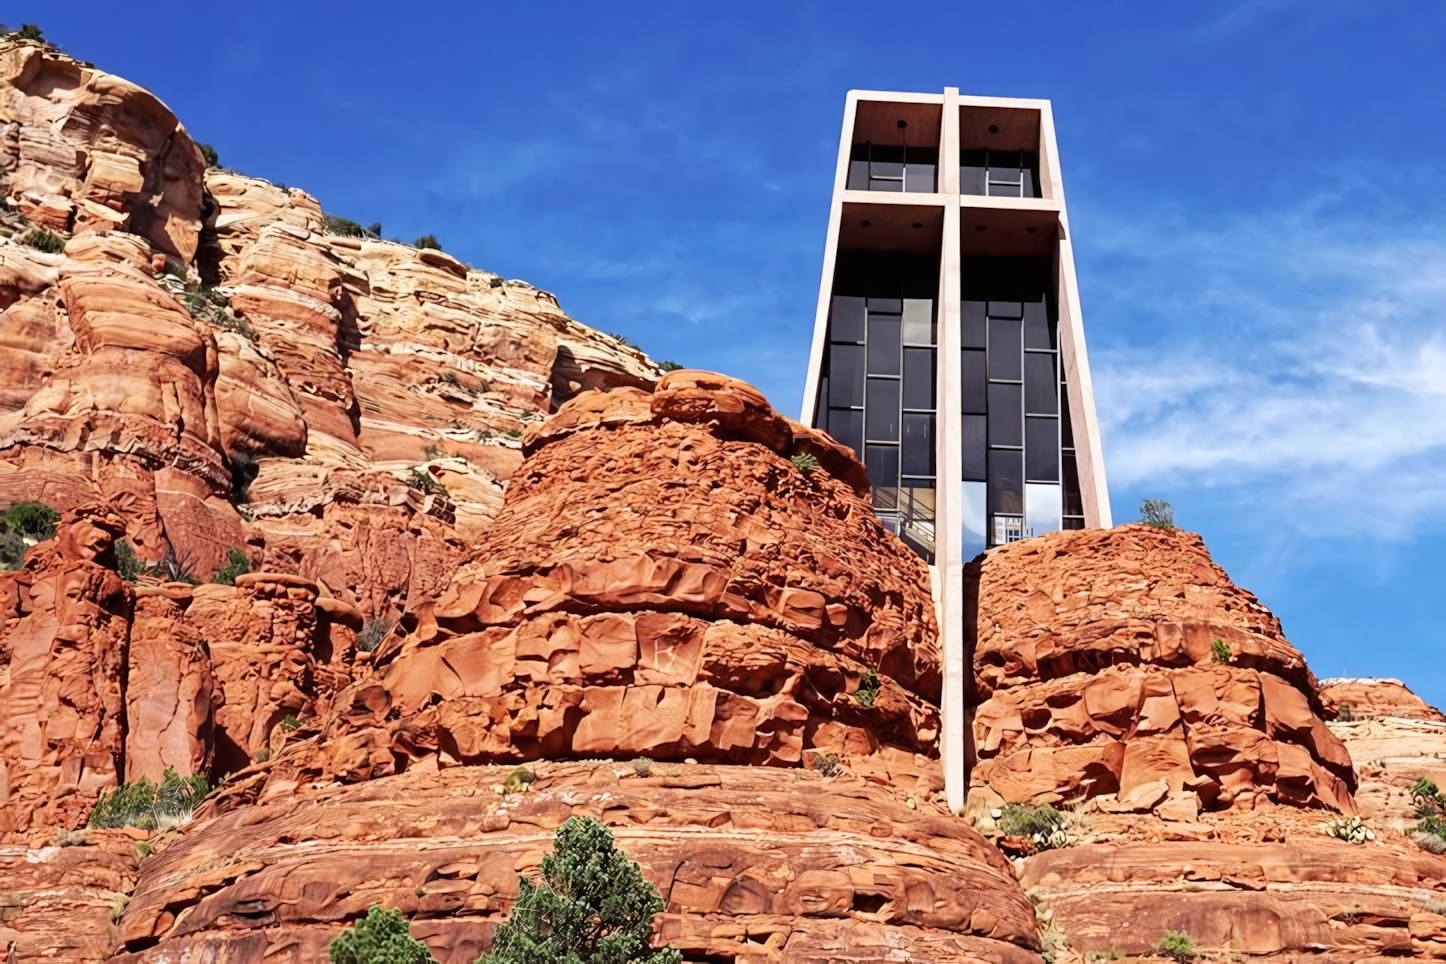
<point x="1125" y="662"/>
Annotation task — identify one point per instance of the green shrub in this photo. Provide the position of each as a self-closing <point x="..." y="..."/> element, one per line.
<point x="519" y="780"/>
<point x="34" y="519"/>
<point x="43" y="240"/>
<point x="589" y="905"/>
<point x="868" y="690"/>
<point x="622" y="340"/>
<point x="669" y="366"/>
<point x="827" y="764"/>
<point x="643" y="766"/>
<point x="345" y="227"/>
<point x="145" y="805"/>
<point x="127" y="564"/>
<point x="236" y="565"/>
<point x="1157" y="513"/>
<point x="1220" y="651"/>
<point x="1349" y="829"/>
<point x="423" y="481"/>
<point x="170" y="569"/>
<point x="428" y="241"/>
<point x="805" y="462"/>
<point x="1177" y="946"/>
<point x="381" y="937"/>
<point x="1043" y="826"/>
<point x="290" y="722"/>
<point x="373" y="631"/>
<point x="29" y="31"/>
<point x="1429" y="809"/>
<point x="209" y="155"/>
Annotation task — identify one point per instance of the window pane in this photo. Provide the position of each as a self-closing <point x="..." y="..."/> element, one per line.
<point x="845" y="375"/>
<point x="1006" y="421"/>
<point x="1001" y="164"/>
<point x="973" y="180"/>
<point x="1003" y="190"/>
<point x="1041" y="450"/>
<point x="847" y="322"/>
<point x="881" y="423"/>
<point x="975" y="445"/>
<point x="883" y="463"/>
<point x="1006" y="309"/>
<point x="1066" y="431"/>
<point x="1006" y="482"/>
<point x="887" y="306"/>
<point x="972" y="383"/>
<point x="1030" y="163"/>
<point x="881" y="184"/>
<point x="883" y="344"/>
<point x="886" y="161"/>
<point x="846" y="425"/>
<point x="1041" y="508"/>
<point x="918" y="321"/>
<point x="973" y="324"/>
<point x="858" y="176"/>
<point x="919" y="178"/>
<point x="1026" y="188"/>
<point x="973" y="512"/>
<point x="1040" y="384"/>
<point x="1004" y="349"/>
<point x="919" y="378"/>
<point x="921" y="155"/>
<point x="1038" y="332"/>
<point x="918" y="457"/>
<point x="1073" y="503"/>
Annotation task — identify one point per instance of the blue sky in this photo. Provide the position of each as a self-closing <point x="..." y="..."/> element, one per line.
<point x="1256" y="192"/>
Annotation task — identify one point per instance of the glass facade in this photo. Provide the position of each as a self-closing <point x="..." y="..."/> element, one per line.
<point x="878" y="387"/>
<point x="999" y="173"/>
<point x="1011" y="428"/>
<point x="881" y="167"/>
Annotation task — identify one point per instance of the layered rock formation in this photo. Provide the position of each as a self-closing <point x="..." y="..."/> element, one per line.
<point x="204" y="358"/>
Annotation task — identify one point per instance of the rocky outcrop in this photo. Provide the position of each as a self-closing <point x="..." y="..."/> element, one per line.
<point x="1125" y="663"/>
<point x="756" y="865"/>
<point x="1364" y="699"/>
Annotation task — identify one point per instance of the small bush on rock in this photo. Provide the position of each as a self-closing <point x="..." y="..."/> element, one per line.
<point x="868" y="690"/>
<point x="805" y="462"/>
<point x="373" y="631"/>
<point x="29" y="31"/>
<point x="209" y="155"/>
<point x="127" y="564"/>
<point x="424" y="482"/>
<point x="1043" y="826"/>
<point x="1349" y="829"/>
<point x="1177" y="946"/>
<point x="589" y="905"/>
<point x="236" y="565"/>
<point x="345" y="227"/>
<point x="428" y="241"/>
<point x="381" y="937"/>
<point x="43" y="240"/>
<point x="145" y="805"/>
<point x="1220" y="651"/>
<point x="1157" y="513"/>
<point x="1429" y="809"/>
<point x="669" y="366"/>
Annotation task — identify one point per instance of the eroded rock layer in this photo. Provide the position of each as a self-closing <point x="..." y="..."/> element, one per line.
<point x="1124" y="662"/>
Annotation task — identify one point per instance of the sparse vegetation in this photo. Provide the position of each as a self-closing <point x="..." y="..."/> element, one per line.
<point x="236" y="565"/>
<point x="381" y="937"/>
<point x="69" y="838"/>
<point x="1344" y="714"/>
<point x="424" y="482"/>
<point x="428" y="241"/>
<point x="1429" y="809"/>
<point x="669" y="366"/>
<point x="805" y="462"/>
<point x="589" y="904"/>
<point x="21" y="526"/>
<point x="170" y="569"/>
<point x="145" y="805"/>
<point x="127" y="563"/>
<point x="518" y="780"/>
<point x="622" y="340"/>
<point x="1177" y="946"/>
<point x="345" y="227"/>
<point x="43" y="239"/>
<point x="1044" y="827"/>
<point x="209" y="155"/>
<point x="143" y="849"/>
<point x="643" y="766"/>
<point x="261" y="755"/>
<point x="868" y="690"/>
<point x="1108" y="954"/>
<point x="827" y="764"/>
<point x="373" y="632"/>
<point x="1220" y="651"/>
<point x="1157" y="513"/>
<point x="1349" y="829"/>
<point x="118" y="905"/>
<point x="29" y="31"/>
<point x="514" y="433"/>
<point x="290" y="722"/>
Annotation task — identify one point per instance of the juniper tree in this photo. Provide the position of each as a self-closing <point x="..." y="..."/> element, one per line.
<point x="589" y="905"/>
<point x="381" y="937"/>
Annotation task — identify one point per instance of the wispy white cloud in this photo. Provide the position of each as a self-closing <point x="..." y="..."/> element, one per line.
<point x="1293" y="359"/>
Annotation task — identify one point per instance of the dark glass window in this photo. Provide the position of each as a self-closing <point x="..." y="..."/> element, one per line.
<point x="846" y="322"/>
<point x="1006" y="309"/>
<point x="974" y="324"/>
<point x="1006" y="482"/>
<point x="1041" y="449"/>
<point x="882" y="422"/>
<point x="973" y="382"/>
<point x="918" y="378"/>
<point x="886" y="184"/>
<point x="999" y="173"/>
<point x="918" y="456"/>
<point x="846" y="425"/>
<point x="976" y="444"/>
<point x="1066" y="430"/>
<point x="1004" y="352"/>
<point x="883" y="344"/>
<point x="858" y="175"/>
<point x="845" y="375"/>
<point x="1039" y="384"/>
<point x="887" y="306"/>
<point x="883" y="463"/>
<point x="886" y="161"/>
<point x="1038" y="329"/>
<point x="919" y="178"/>
<point x="1005" y="416"/>
<point x="1073" y="502"/>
